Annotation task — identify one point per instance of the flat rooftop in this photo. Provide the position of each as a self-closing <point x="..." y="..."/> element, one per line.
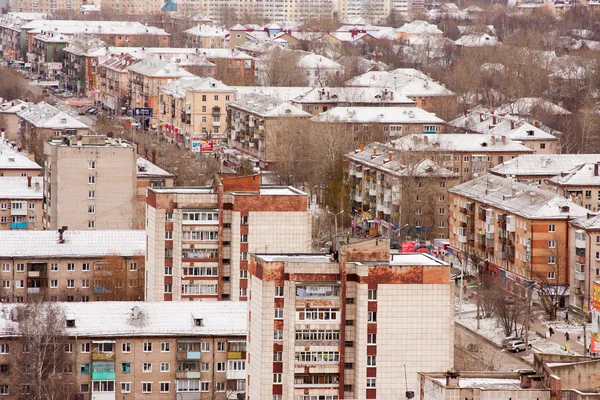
<point x="398" y="259"/>
<point x="485" y="383"/>
<point x="295" y="258"/>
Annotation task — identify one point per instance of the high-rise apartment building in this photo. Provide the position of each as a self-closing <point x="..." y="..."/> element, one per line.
<point x="348" y="325"/>
<point x="200" y="238"/>
<point x="89" y="183"/>
<point x="277" y="10"/>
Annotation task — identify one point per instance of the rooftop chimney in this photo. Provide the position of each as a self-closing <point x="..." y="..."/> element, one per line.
<point x="153" y="156"/>
<point x="494" y="119"/>
<point x="536" y="123"/>
<point x="480" y="117"/>
<point x="374" y="150"/>
<point x="596" y="168"/>
<point x="512" y="124"/>
<point x="504" y="139"/>
<point x="390" y="156"/>
<point x="362" y="146"/>
<point x="451" y="378"/>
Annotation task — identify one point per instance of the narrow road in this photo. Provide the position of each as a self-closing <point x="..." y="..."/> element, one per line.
<point x="475" y="353"/>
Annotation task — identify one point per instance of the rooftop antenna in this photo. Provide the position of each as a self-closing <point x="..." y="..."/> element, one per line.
<point x="405" y="379"/>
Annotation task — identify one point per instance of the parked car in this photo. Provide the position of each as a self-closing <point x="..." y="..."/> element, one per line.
<point x="517" y="346"/>
<point x="92" y="110"/>
<point x="509" y="339"/>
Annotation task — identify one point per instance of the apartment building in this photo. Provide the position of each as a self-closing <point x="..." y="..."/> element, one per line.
<point x="488" y="121"/>
<point x="584" y="269"/>
<point x="520" y="231"/>
<point x="581" y="185"/>
<point x="199" y="239"/>
<point x="334" y="326"/>
<point x="14" y="163"/>
<point x="320" y="100"/>
<point x="150" y="175"/>
<point x="256" y="122"/>
<point x="113" y="82"/>
<point x="47" y="53"/>
<point x="71" y="265"/>
<point x="469" y="155"/>
<point x="278" y="10"/>
<point x="10" y="31"/>
<point x="21" y="201"/>
<point x="192" y="112"/>
<point x="397" y="195"/>
<point x="128" y="350"/>
<point x="146" y="76"/>
<point x="208" y="37"/>
<point x="414" y="84"/>
<point x="386" y="122"/>
<point x="9" y="121"/>
<point x="89" y="183"/>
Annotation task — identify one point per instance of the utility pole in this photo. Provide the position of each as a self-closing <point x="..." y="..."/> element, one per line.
<point x="584" y="339"/>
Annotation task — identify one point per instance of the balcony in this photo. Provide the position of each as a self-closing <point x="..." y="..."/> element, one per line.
<point x="236" y="374"/>
<point x="187" y="375"/>
<point x="359" y="174"/>
<point x="216" y="123"/>
<point x="580" y="240"/>
<point x="188" y="355"/>
<point x="358" y="197"/>
<point x="103" y="371"/>
<point x="101" y="356"/>
<point x="236" y="355"/>
<point x="33" y="290"/>
<point x="462" y="239"/>
<point x="579" y="276"/>
<point x="18" y="211"/>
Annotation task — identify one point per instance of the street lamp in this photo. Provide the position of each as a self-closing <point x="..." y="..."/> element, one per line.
<point x="335" y="219"/>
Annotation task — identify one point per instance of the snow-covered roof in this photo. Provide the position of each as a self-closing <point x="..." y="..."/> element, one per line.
<point x="119" y="62"/>
<point x="13" y="106"/>
<point x="481" y="120"/>
<point x="179" y="87"/>
<point x="92" y="243"/>
<point x="419" y="27"/>
<point x="314" y="61"/>
<point x="353" y="95"/>
<point x="167" y="318"/>
<point x="72" y="27"/>
<point x="16" y="187"/>
<point x="545" y="165"/>
<point x="383" y="115"/>
<point x="268" y="107"/>
<point x="14" y="20"/>
<point x="159" y="68"/>
<point x="582" y="175"/>
<point x="283" y="93"/>
<point x="85" y="45"/>
<point x="145" y="169"/>
<point x="477" y="40"/>
<point x="407" y="81"/>
<point x="380" y="160"/>
<point x="345" y="36"/>
<point x="487" y="383"/>
<point x="11" y="158"/>
<point x="52" y="37"/>
<point x="207" y="31"/>
<point x="518" y="198"/>
<point x="591" y="224"/>
<point x="459" y="142"/>
<point x="43" y="115"/>
<point x="526" y="105"/>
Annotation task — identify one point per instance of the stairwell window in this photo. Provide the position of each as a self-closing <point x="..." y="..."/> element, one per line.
<point x="551" y="275"/>
<point x="551" y="260"/>
<point x="551" y="228"/>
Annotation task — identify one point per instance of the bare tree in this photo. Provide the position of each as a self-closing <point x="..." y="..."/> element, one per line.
<point x="280" y="68"/>
<point x="115" y="280"/>
<point x="43" y="361"/>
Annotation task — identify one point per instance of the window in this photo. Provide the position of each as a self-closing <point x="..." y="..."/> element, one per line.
<point x="4" y="206"/>
<point x="168" y="288"/>
<point x="133" y="266"/>
<point x="221" y="346"/>
<point x="53" y="283"/>
<point x="6" y="284"/>
<point x="277" y="378"/>
<point x="203" y="97"/>
<point x="69" y="348"/>
<point x="126" y="368"/>
<point x="168" y="235"/>
<point x="244" y="274"/>
<point x="20" y="284"/>
<point x="91" y="224"/>
<point x="125" y="387"/>
<point x="551" y="228"/>
<point x="85" y="347"/>
<point x="103" y="386"/>
<point x="84" y="387"/>
<point x="220" y="386"/>
<point x="205" y="347"/>
<point x="4" y="348"/>
<point x="165" y="367"/>
<point x="372" y="317"/>
<point x="551" y="244"/>
<point x="278" y="291"/>
<point x="4" y="390"/>
<point x="91" y="194"/>
<point x="244" y="238"/>
<point x="243" y="256"/>
<point x="165" y="347"/>
<point x="164" y="387"/>
<point x="5" y="267"/>
<point x="277" y="356"/>
<point x="204" y="386"/>
<point x="85" y="266"/>
<point x="126" y="347"/>
<point x="91" y="164"/>
<point x="371" y="361"/>
<point x="220" y="367"/>
<point x="146" y="387"/>
<point x="71" y="267"/>
<point x="147" y="347"/>
<point x="244" y="220"/>
<point x="147" y="367"/>
<point x="168" y="217"/>
<point x="551" y="275"/>
<point x="168" y="271"/>
<point x="372" y="294"/>
<point x="371" y="338"/>
<point x="279" y="313"/>
<point x="91" y="209"/>
<point x="442" y="211"/>
<point x="278" y="334"/>
<point x="371" y="383"/>
<point x="70" y="283"/>
<point x="551" y="260"/>
<point x="91" y="180"/>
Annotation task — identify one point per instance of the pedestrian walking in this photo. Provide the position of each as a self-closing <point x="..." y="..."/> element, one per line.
<point x="551" y="331"/>
<point x="567" y="316"/>
<point x="567" y="336"/>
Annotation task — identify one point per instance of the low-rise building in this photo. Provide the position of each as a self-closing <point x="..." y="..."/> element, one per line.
<point x="398" y="195"/>
<point x="483" y="120"/>
<point x="72" y="265"/>
<point x="10" y="32"/>
<point x="519" y="232"/>
<point x="21" y="201"/>
<point x="9" y="120"/>
<point x="199" y="239"/>
<point x="469" y="155"/>
<point x="150" y="175"/>
<point x="46" y="55"/>
<point x="113" y="83"/>
<point x="332" y="326"/>
<point x="184" y="350"/>
<point x="146" y="76"/>
<point x="387" y="123"/>
<point x="320" y="100"/>
<point x="581" y="185"/>
<point x="192" y="112"/>
<point x="255" y="124"/>
<point x="207" y="37"/>
<point x="415" y="29"/>
<point x="90" y="183"/>
<point x="14" y="163"/>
